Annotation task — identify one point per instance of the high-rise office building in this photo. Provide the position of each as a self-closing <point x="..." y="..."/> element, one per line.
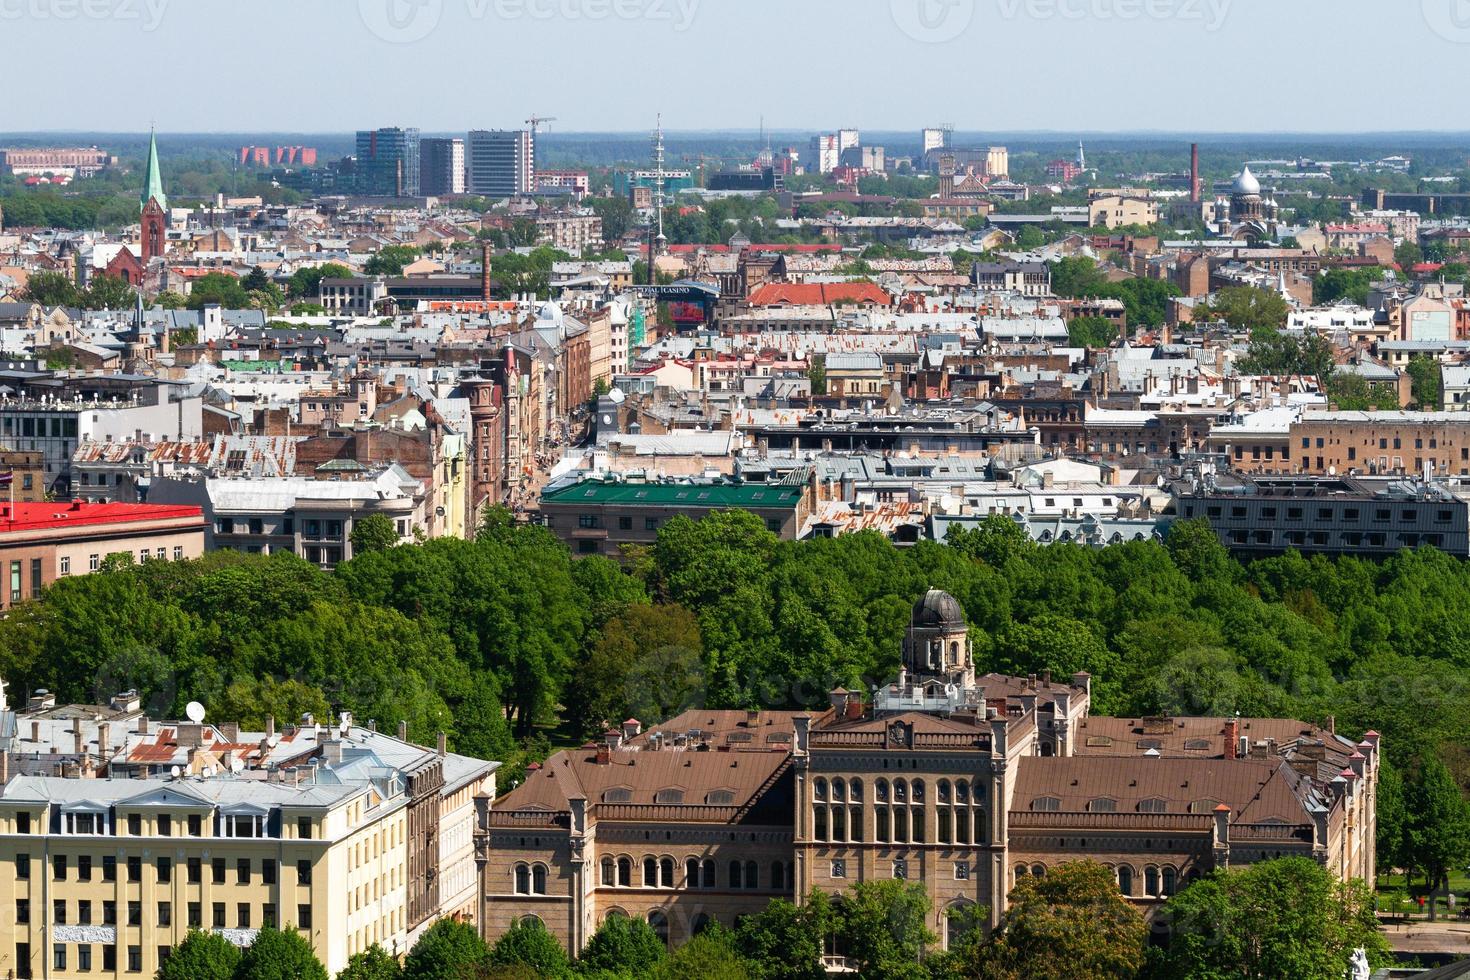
<point x="500" y="162"/>
<point x="388" y="162"/>
<point x="441" y="166"/>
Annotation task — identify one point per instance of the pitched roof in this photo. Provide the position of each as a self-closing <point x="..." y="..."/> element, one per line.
<point x="818" y="294"/>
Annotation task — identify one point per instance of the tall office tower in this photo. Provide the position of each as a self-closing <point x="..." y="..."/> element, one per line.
<point x="825" y="155"/>
<point x="388" y="162"/>
<point x="441" y="166"/>
<point x="500" y="162"/>
<point x="847" y="139"/>
<point x="936" y="138"/>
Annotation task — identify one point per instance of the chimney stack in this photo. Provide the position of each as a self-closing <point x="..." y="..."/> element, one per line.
<point x="443" y="745"/>
<point x="1232" y="729"/>
<point x="403" y="731"/>
<point x="485" y="271"/>
<point x="1194" y="187"/>
<point x="270" y="726"/>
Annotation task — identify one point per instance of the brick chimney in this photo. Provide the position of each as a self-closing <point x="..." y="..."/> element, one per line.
<point x="1232" y="729"/>
<point x="485" y="271"/>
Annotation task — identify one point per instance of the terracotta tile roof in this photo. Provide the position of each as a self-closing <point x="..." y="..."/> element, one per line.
<point x="818" y="294"/>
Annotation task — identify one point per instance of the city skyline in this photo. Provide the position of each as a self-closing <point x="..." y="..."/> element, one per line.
<point x="945" y="55"/>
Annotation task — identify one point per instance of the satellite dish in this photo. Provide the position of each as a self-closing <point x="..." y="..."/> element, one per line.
<point x="237" y="766"/>
<point x="174" y="772"/>
<point x="273" y="741"/>
<point x="195" y="711"/>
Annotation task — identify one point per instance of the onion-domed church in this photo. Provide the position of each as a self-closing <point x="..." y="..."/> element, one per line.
<point x="1252" y="216"/>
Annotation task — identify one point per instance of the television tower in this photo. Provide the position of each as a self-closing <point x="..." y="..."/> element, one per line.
<point x="659" y="242"/>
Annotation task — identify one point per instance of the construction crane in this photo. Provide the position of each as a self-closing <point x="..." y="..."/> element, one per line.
<point x="702" y="159"/>
<point x="535" y="122"/>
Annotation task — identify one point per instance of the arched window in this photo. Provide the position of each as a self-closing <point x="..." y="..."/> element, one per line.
<point x="839" y="823"/>
<point x="855" y="790"/>
<point x="615" y="913"/>
<point x="735" y="869"/>
<point x="666" y="872"/>
<point x="778" y="876"/>
<point x="625" y="872"/>
<point x="691" y="873"/>
<point x="1151" y="881"/>
<point x="650" y="873"/>
<point x="709" y="873"/>
<point x="958" y="922"/>
<point x="659" y="922"/>
<point x="1046" y="804"/>
<point x="1125" y="879"/>
<point x="1152" y="806"/>
<point x="918" y="791"/>
<point x="900" y="791"/>
<point x="1103" y="805"/>
<point x="819" y="822"/>
<point x="979" y="790"/>
<point x="538" y="880"/>
<point x="609" y="872"/>
<point x="880" y="791"/>
<point x="1021" y="872"/>
<point x="1039" y="870"/>
<point x="943" y="825"/>
<point x="532" y="922"/>
<point x="669" y="796"/>
<point x="752" y="875"/>
<point x="523" y="880"/>
<point x="720" y="797"/>
<point x="839" y="790"/>
<point x="1171" y="879"/>
<point x="819" y="788"/>
<point x="943" y="791"/>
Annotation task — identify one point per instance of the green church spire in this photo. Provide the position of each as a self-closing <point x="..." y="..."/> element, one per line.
<point x="153" y="187"/>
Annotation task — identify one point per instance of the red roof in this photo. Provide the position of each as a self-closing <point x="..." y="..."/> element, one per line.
<point x="805" y="247"/>
<point x="818" y="294"/>
<point x="42" y="516"/>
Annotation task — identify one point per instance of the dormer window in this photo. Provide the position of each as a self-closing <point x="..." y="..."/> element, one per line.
<point x="669" y="796"/>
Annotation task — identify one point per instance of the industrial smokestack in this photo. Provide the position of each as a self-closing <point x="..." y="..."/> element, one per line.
<point x="485" y="271"/>
<point x="1194" y="172"/>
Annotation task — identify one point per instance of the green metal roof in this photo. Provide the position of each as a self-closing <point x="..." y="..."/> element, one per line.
<point x="153" y="186"/>
<point x="747" y="496"/>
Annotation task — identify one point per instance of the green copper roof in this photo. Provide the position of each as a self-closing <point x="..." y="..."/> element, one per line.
<point x="153" y="187"/>
<point x="748" y="496"/>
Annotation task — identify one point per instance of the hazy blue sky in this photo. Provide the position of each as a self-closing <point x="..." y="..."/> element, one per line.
<point x="338" y="65"/>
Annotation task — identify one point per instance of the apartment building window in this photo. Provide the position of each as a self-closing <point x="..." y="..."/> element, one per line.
<point x="196" y="825"/>
<point x="268" y="871"/>
<point x="35" y="578"/>
<point x="58" y="911"/>
<point x="242" y="915"/>
<point x="242" y="871"/>
<point x="303" y="872"/>
<point x="196" y="916"/>
<point x="268" y="915"/>
<point x="135" y="825"/>
<point x="23" y="911"/>
<point x="58" y="956"/>
<point x="178" y="552"/>
<point x="135" y="913"/>
<point x="23" y="822"/>
<point x="303" y="917"/>
<point x="303" y="828"/>
<point x="135" y="959"/>
<point x="84" y="912"/>
<point x="583" y="521"/>
<point x="135" y="869"/>
<point x="165" y="913"/>
<point x="195" y="871"/>
<point x="165" y="825"/>
<point x="84" y="957"/>
<point x="93" y="563"/>
<point x="217" y="912"/>
<point x="109" y="957"/>
<point x="23" y="866"/>
<point x="15" y="581"/>
<point x="58" y="867"/>
<point x="217" y="866"/>
<point x="109" y="912"/>
<point x="165" y="870"/>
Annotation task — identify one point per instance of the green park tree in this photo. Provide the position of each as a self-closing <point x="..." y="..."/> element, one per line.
<point x="277" y="955"/>
<point x="623" y="946"/>
<point x="374" y="532"/>
<point x="528" y="944"/>
<point x="373" y="963"/>
<point x="201" y="956"/>
<point x="448" y="950"/>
